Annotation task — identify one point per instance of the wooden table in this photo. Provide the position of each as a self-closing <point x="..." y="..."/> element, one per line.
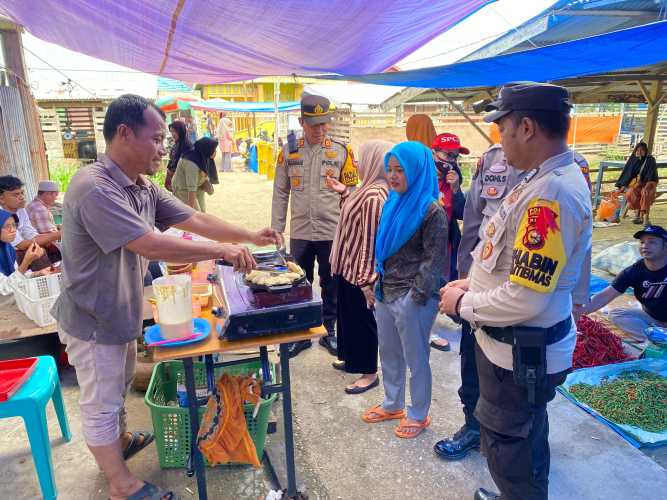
<point x="213" y="344"/>
<point x="16" y="325"/>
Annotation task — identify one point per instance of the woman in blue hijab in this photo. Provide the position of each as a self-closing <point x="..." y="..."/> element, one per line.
<point x="410" y="252"/>
<point x="8" y="266"/>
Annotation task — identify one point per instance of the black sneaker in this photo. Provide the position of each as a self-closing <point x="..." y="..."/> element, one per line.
<point x="330" y="343"/>
<point x="296" y="347"/>
<point x="459" y="445"/>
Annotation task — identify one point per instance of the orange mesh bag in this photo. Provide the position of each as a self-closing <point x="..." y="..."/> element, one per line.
<point x="223" y="434"/>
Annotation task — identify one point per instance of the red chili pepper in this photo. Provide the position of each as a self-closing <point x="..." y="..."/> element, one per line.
<point x="596" y="345"/>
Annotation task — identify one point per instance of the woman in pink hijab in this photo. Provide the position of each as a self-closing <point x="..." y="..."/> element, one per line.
<point x="225" y="133"/>
<point x="353" y="266"/>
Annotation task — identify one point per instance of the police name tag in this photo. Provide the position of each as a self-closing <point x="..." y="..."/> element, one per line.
<point x="538" y="257"/>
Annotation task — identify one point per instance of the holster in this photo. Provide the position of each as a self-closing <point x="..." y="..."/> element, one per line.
<point x="529" y="359"/>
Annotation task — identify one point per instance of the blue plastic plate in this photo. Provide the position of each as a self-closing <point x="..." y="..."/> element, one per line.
<point x="201" y="327"/>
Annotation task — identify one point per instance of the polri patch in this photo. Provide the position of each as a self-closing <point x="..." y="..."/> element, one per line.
<point x="538" y="257"/>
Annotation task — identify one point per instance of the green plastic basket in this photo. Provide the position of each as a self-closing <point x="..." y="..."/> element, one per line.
<point x="171" y="424"/>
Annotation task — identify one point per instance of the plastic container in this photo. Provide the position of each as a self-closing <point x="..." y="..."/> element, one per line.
<point x="13" y="374"/>
<point x="38" y="310"/>
<point x="41" y="287"/>
<point x="171" y="423"/>
<point x="173" y="299"/>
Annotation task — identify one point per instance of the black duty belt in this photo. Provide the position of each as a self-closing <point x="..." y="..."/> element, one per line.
<point x="552" y="334"/>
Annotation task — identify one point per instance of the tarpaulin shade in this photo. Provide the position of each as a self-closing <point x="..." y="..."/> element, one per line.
<point x="629" y="48"/>
<point x="170" y="104"/>
<point x="244" y="107"/>
<point x="230" y="40"/>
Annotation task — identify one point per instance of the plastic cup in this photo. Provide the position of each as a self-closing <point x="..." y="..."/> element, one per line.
<point x="173" y="299"/>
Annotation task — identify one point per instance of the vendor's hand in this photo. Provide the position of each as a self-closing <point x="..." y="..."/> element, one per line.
<point x="238" y="256"/>
<point x="266" y="237"/>
<point x="33" y="252"/>
<point x="452" y="179"/>
<point x="463" y="284"/>
<point x="369" y="294"/>
<point x="449" y="298"/>
<point x="579" y="310"/>
<point x="335" y="185"/>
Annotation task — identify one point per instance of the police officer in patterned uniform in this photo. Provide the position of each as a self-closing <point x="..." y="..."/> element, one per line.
<point x="493" y="179"/>
<point x="301" y="172"/>
<point x="522" y="283"/>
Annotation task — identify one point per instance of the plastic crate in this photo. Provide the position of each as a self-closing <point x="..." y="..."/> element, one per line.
<point x="171" y="424"/>
<point x="42" y="287"/>
<point x="38" y="310"/>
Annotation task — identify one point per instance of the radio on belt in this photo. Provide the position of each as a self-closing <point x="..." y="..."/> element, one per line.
<point x="253" y="313"/>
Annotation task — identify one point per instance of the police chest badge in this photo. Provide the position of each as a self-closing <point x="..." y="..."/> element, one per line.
<point x="492" y="191"/>
<point x="331" y="154"/>
<point x="491" y="230"/>
<point x="487" y="250"/>
<point x="295" y="182"/>
<point x="538" y="257"/>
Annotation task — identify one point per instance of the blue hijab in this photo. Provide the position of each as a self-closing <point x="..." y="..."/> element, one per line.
<point x="402" y="214"/>
<point x="7" y="252"/>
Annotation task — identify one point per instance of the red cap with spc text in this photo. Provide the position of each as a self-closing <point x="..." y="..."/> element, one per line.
<point x="449" y="142"/>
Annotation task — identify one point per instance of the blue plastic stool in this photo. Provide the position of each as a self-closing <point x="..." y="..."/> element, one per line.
<point x="30" y="404"/>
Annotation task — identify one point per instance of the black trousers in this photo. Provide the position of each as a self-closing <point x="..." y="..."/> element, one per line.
<point x="305" y="252"/>
<point x="514" y="433"/>
<point x="357" y="332"/>
<point x="469" y="390"/>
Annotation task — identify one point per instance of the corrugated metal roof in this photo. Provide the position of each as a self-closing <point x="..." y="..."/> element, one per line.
<point x="569" y="20"/>
<point x="14" y="142"/>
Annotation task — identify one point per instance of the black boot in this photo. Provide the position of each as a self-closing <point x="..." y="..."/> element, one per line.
<point x="296" y="347"/>
<point x="482" y="494"/>
<point x="459" y="445"/>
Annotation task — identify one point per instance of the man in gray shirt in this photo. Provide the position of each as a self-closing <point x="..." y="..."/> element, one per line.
<point x="110" y="211"/>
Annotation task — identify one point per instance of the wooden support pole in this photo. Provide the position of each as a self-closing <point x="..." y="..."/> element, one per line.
<point x="465" y="115"/>
<point x="654" y="96"/>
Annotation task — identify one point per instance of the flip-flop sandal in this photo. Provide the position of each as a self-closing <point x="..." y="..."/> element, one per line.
<point x="444" y="348"/>
<point x="137" y="443"/>
<point x="379" y="414"/>
<point x="406" y="424"/>
<point x="151" y="492"/>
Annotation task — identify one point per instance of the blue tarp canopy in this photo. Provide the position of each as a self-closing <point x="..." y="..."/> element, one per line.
<point x="624" y="49"/>
<point x="244" y="107"/>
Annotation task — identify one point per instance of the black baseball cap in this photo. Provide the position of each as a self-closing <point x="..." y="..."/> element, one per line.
<point x="657" y="231"/>
<point x="528" y="96"/>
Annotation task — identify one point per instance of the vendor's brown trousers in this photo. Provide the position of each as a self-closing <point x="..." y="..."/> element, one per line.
<point x="642" y="196"/>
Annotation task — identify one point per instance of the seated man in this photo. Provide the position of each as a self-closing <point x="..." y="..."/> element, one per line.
<point x="12" y="199"/>
<point x="39" y="209"/>
<point x="648" y="279"/>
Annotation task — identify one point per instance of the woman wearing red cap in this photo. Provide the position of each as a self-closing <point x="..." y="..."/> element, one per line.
<point x="446" y="150"/>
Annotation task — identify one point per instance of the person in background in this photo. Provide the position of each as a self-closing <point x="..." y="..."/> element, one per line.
<point x="648" y="279"/>
<point x="446" y="150"/>
<point x="225" y="134"/>
<point x="420" y="128"/>
<point x="12" y="199"/>
<point x="191" y="127"/>
<point x="196" y="174"/>
<point x="640" y="179"/>
<point x="39" y="209"/>
<point x="353" y="266"/>
<point x="582" y="162"/>
<point x="410" y="251"/>
<point x="182" y="144"/>
<point x="8" y="265"/>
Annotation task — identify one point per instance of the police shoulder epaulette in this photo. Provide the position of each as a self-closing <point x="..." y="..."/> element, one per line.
<point x="342" y="145"/>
